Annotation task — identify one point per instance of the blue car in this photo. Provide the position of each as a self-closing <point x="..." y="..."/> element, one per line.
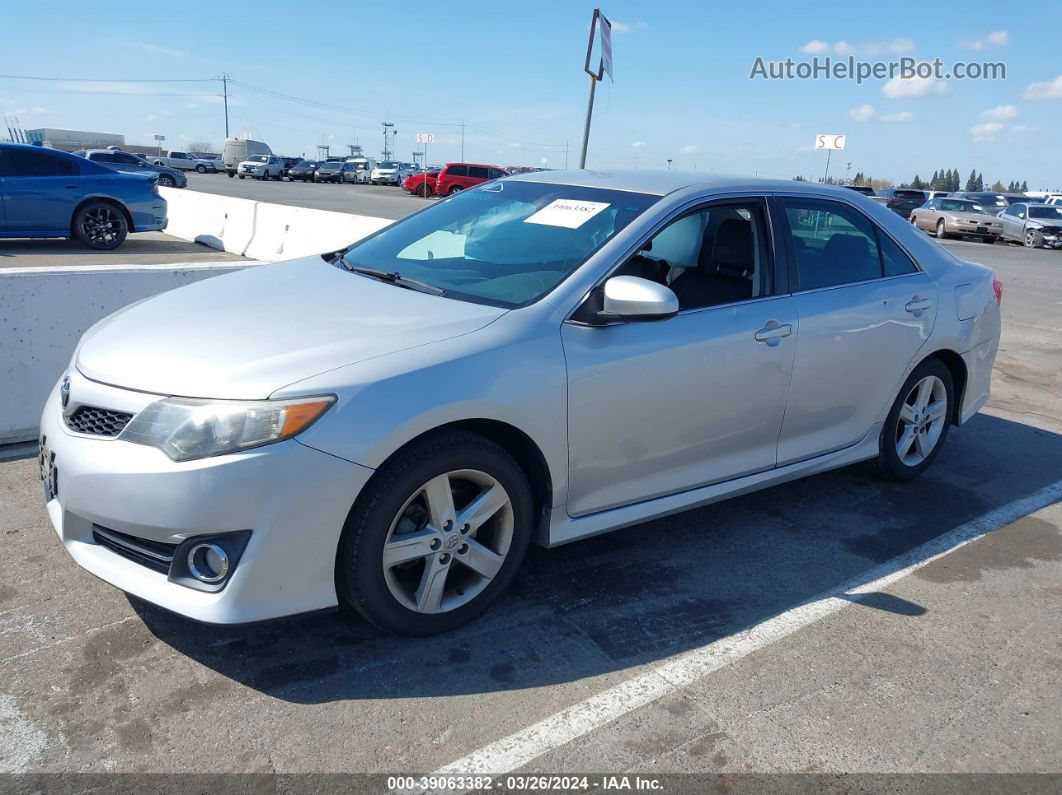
<point x="48" y="193"/>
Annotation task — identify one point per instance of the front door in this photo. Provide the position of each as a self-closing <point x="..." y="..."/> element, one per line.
<point x="660" y="407"/>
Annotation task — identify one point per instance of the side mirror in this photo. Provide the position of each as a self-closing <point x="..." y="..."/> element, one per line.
<point x="634" y="298"/>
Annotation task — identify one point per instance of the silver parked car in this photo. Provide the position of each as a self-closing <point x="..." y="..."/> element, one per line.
<point x="946" y="217"/>
<point x="537" y="359"/>
<point x="1035" y="225"/>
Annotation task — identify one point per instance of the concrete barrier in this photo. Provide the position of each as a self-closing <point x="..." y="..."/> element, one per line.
<point x="262" y="230"/>
<point x="44" y="312"/>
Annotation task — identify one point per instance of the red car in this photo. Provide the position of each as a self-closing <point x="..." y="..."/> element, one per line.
<point x="458" y="176"/>
<point x="421" y="184"/>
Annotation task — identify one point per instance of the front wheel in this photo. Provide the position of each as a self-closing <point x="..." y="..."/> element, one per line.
<point x="942" y="231"/>
<point x="201" y="169"/>
<point x="917" y="425"/>
<point x="166" y="181"/>
<point x="1032" y="239"/>
<point x="100" y="225"/>
<point x="241" y="176"/>
<point x="436" y="535"/>
<point x="231" y="174"/>
<point x="989" y="240"/>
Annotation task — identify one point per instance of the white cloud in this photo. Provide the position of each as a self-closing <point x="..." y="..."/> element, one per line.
<point x="1023" y="128"/>
<point x="150" y="117"/>
<point x="997" y="38"/>
<point x="1000" y="112"/>
<point x="627" y="27"/>
<point x="986" y="132"/>
<point x="638" y="144"/>
<point x="897" y="87"/>
<point x="867" y="112"/>
<point x="862" y="113"/>
<point x="34" y="109"/>
<point x="691" y="149"/>
<point x="897" y="46"/>
<point x="795" y="125"/>
<point x="1049" y="90"/>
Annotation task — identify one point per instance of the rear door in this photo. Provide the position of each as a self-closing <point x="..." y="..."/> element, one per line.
<point x="39" y="190"/>
<point x="864" y="308"/>
<point x="477" y="175"/>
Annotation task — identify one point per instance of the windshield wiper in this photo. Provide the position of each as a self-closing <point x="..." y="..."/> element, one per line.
<point x="393" y="277"/>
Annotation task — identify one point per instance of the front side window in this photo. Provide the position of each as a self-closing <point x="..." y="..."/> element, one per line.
<point x="718" y="255"/>
<point x="505" y="244"/>
<point x="835" y="244"/>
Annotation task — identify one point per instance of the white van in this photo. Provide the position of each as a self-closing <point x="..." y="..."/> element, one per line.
<point x="363" y="167"/>
<point x="239" y="149"/>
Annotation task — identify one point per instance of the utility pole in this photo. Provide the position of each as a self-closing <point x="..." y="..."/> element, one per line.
<point x="462" y="141"/>
<point x="224" y="78"/>
<point x="565" y="155"/>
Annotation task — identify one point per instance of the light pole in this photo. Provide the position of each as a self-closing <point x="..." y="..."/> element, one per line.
<point x="669" y="164"/>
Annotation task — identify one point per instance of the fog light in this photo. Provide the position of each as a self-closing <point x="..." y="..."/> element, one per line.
<point x="208" y="562"/>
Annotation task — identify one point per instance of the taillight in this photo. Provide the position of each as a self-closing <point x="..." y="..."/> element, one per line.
<point x="997" y="288"/>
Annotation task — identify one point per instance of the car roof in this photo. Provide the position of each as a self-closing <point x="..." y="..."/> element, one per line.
<point x="661" y="183"/>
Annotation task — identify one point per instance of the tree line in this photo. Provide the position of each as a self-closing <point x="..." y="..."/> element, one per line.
<point x="944" y="179"/>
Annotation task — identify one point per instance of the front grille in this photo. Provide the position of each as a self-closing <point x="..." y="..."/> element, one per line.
<point x="97" y="421"/>
<point x="153" y="554"/>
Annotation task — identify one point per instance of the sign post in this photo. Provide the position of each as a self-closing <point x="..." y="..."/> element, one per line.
<point x="424" y="139"/>
<point x="604" y="67"/>
<point x="829" y="142"/>
<point x="158" y="142"/>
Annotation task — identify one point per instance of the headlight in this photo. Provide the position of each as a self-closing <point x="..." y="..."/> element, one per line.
<point x="185" y="429"/>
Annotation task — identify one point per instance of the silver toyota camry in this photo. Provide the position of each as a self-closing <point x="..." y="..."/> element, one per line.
<point x="540" y="359"/>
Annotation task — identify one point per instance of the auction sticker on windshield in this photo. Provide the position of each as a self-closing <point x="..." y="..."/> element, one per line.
<point x="569" y="213"/>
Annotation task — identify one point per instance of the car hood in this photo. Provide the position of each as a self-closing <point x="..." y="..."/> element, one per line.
<point x="246" y="334"/>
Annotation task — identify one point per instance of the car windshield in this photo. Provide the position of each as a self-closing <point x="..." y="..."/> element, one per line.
<point x="506" y="244"/>
<point x="1054" y="213"/>
<point x="388" y="164"/>
<point x="258" y="159"/>
<point x="955" y="205"/>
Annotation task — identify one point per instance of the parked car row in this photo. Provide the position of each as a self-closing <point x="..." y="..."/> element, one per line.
<point x="1030" y="223"/>
<point x="132" y="162"/>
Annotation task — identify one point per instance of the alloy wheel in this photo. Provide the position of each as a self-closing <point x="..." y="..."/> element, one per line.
<point x="921" y="421"/>
<point x="101" y="226"/>
<point x="448" y="542"/>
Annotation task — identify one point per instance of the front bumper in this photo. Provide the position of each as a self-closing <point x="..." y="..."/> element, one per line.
<point x="292" y="498"/>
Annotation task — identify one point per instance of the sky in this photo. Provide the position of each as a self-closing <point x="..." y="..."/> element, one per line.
<point x="312" y="72"/>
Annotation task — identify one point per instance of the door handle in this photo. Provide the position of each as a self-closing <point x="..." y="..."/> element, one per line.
<point x="773" y="332"/>
<point x="918" y="304"/>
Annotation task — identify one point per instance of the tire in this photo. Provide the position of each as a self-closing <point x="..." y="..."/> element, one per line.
<point x="942" y="233"/>
<point x="394" y="504"/>
<point x="424" y="191"/>
<point x="989" y="240"/>
<point x="1032" y="239"/>
<point x="166" y="181"/>
<point x="917" y="426"/>
<point x="201" y="169"/>
<point x="241" y="176"/>
<point x="453" y="189"/>
<point x="100" y="225"/>
<point x="231" y="174"/>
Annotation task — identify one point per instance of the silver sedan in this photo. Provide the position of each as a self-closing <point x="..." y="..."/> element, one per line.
<point x="957" y="218"/>
<point x="536" y="360"/>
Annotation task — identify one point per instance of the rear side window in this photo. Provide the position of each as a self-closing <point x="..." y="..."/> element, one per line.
<point x="835" y="244"/>
<point x="26" y="163"/>
<point x="457" y="171"/>
<point x="478" y="172"/>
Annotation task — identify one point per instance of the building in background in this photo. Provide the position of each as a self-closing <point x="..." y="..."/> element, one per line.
<point x="70" y="140"/>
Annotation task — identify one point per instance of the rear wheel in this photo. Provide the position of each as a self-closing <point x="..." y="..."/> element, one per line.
<point x="990" y="240"/>
<point x="100" y="225"/>
<point x="454" y="189"/>
<point x="436" y="536"/>
<point x="917" y="425"/>
<point x="424" y="191"/>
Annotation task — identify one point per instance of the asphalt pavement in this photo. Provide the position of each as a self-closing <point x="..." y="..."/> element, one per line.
<point x="142" y="248"/>
<point x="800" y="629"/>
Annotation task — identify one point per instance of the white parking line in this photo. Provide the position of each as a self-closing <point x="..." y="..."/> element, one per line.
<point x="518" y="749"/>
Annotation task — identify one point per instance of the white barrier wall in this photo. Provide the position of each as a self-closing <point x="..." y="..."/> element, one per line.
<point x="262" y="230"/>
<point x="44" y="312"/>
